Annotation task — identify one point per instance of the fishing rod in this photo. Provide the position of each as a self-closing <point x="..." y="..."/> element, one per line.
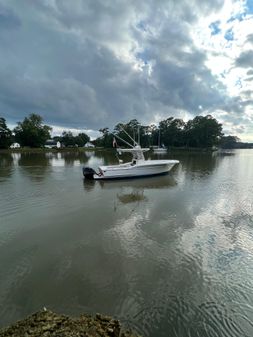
<point x="122" y="129"/>
<point x="124" y="141"/>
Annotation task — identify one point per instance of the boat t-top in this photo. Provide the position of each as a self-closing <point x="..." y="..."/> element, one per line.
<point x="138" y="167"/>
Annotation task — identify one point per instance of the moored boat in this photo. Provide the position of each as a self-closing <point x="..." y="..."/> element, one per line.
<point x="159" y="149"/>
<point x="138" y="167"/>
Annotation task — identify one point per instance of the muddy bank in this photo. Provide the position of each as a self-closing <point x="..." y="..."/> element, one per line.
<point x="46" y="323"/>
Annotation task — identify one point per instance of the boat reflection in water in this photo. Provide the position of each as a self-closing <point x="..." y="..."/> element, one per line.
<point x="135" y="196"/>
<point x="158" y="182"/>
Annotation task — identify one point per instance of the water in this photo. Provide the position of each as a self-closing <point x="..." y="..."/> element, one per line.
<point x="169" y="256"/>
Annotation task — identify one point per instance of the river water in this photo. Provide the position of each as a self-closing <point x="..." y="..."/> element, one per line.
<point x="169" y="256"/>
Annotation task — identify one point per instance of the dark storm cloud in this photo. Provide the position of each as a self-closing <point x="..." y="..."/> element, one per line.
<point x="247" y="93"/>
<point x="249" y="79"/>
<point x="245" y="60"/>
<point x="72" y="62"/>
<point x="250" y="38"/>
<point x="8" y="20"/>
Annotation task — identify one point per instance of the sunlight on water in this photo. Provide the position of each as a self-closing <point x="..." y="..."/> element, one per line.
<point x="169" y="255"/>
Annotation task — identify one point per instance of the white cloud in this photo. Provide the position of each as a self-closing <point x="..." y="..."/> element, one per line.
<point x="93" y="63"/>
<point x="57" y="131"/>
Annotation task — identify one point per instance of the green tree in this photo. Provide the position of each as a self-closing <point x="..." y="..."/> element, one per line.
<point x="172" y="131"/>
<point x="203" y="131"/>
<point x="229" y="142"/>
<point x="106" y="139"/>
<point x="68" y="139"/>
<point x="31" y="132"/>
<point x="152" y="135"/>
<point x="5" y="134"/>
<point x="82" y="139"/>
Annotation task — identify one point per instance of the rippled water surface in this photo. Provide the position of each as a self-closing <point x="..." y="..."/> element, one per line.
<point x="169" y="256"/>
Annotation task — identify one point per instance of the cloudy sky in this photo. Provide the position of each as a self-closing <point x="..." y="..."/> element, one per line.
<point x="87" y="64"/>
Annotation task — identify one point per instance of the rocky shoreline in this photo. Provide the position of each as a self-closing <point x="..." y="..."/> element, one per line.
<point x="46" y="323"/>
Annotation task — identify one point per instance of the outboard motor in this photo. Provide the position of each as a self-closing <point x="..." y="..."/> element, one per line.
<point x="88" y="172"/>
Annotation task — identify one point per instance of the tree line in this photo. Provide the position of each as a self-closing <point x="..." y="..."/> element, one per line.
<point x="32" y="132"/>
<point x="199" y="132"/>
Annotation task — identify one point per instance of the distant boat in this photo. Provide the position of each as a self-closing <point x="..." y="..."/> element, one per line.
<point x="159" y="148"/>
<point x="138" y="167"/>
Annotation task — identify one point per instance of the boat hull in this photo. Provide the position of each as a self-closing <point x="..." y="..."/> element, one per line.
<point x="148" y="168"/>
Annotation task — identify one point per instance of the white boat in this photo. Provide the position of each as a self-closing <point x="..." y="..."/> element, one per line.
<point x="159" y="149"/>
<point x="138" y="167"/>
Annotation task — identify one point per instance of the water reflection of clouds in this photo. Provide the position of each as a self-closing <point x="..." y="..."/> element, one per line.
<point x="57" y="161"/>
<point x="34" y="165"/>
<point x="76" y="159"/>
<point x="128" y="232"/>
<point x="94" y="161"/>
<point x="90" y="154"/>
<point x="221" y="236"/>
<point x="16" y="157"/>
<point x="159" y="266"/>
<point x="222" y="225"/>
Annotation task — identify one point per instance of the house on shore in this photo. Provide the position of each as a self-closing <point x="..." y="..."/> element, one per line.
<point x="52" y="144"/>
<point x="89" y="145"/>
<point x="15" y="146"/>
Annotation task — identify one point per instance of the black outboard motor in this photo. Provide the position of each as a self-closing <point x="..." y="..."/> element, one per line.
<point x="88" y="172"/>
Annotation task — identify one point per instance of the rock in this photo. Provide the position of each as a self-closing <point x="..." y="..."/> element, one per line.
<point x="46" y="323"/>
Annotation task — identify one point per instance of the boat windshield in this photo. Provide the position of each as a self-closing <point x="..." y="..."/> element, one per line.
<point x="138" y="155"/>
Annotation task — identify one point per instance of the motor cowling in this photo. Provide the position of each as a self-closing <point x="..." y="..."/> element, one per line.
<point x="88" y="172"/>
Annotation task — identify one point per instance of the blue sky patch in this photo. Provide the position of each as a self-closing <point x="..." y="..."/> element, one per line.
<point x="144" y="56"/>
<point x="142" y="25"/>
<point x="249" y="5"/>
<point x="229" y="35"/>
<point x="238" y="16"/>
<point x="215" y="29"/>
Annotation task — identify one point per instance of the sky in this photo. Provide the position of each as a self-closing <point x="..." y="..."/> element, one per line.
<point x="87" y="64"/>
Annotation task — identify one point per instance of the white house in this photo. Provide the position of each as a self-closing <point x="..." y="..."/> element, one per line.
<point x="52" y="144"/>
<point x="90" y="145"/>
<point x="15" y="146"/>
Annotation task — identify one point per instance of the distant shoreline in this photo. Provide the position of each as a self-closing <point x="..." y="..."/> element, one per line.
<point x="82" y="149"/>
<point x="45" y="150"/>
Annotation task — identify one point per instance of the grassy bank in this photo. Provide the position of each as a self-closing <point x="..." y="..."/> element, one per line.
<point x="44" y="150"/>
